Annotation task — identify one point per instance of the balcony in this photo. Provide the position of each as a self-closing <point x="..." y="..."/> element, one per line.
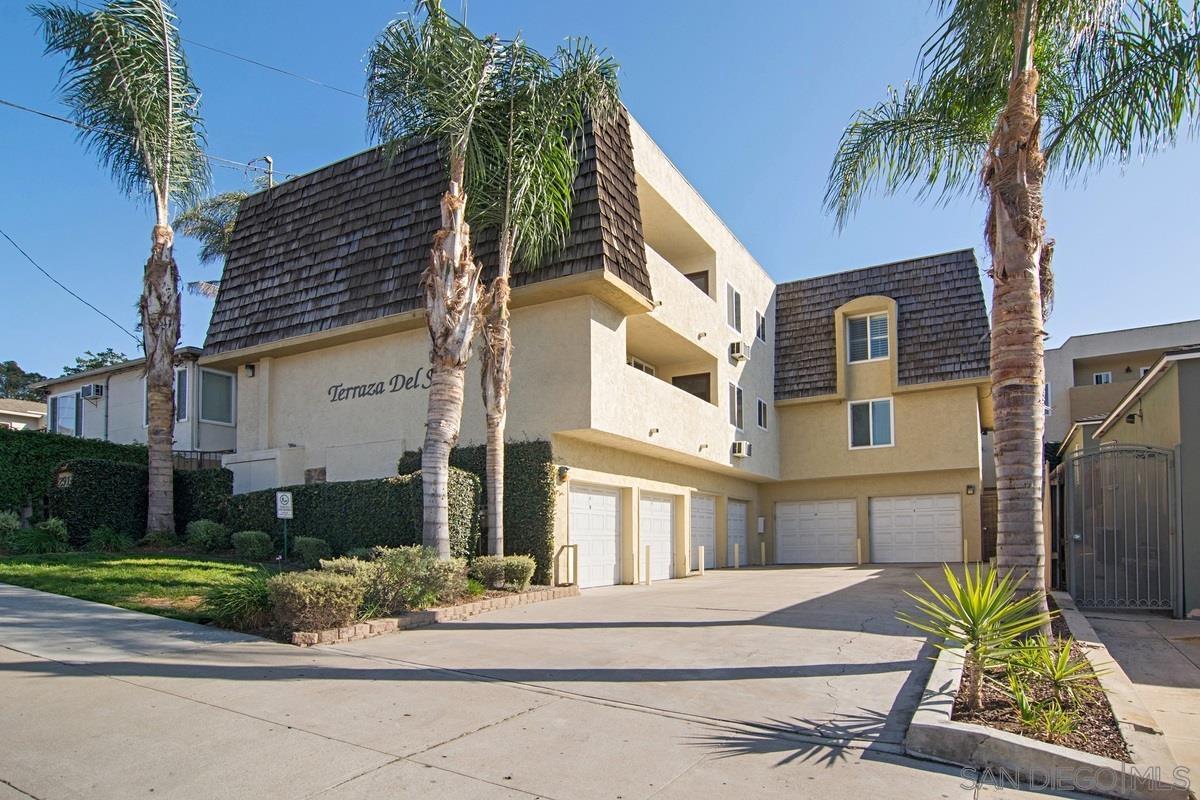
<point x="1090" y="401"/>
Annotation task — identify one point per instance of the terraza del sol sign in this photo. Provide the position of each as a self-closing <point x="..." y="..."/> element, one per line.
<point x="397" y="383"/>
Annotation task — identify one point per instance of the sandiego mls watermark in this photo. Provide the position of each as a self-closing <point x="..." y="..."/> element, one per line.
<point x="1100" y="780"/>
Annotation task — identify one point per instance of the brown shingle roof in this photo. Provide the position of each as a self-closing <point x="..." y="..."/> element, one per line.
<point x="942" y="328"/>
<point x="348" y="243"/>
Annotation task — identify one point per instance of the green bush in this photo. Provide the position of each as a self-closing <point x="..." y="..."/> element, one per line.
<point x="411" y="578"/>
<point x="310" y="550"/>
<point x="244" y="604"/>
<point x="106" y="540"/>
<point x="529" y="496"/>
<point x="488" y="570"/>
<point x="356" y="514"/>
<point x="204" y="535"/>
<point x="450" y="577"/>
<point x="10" y="523"/>
<point x="29" y="460"/>
<point x="313" y="600"/>
<point x="518" y="572"/>
<point x="367" y="574"/>
<point x="253" y="545"/>
<point x="202" y="494"/>
<point x="48" y="536"/>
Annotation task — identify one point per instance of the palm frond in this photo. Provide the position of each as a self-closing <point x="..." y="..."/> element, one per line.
<point x="207" y="289"/>
<point x="128" y="86"/>
<point x="210" y="221"/>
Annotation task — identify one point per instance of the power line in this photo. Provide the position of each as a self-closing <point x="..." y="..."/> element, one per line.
<point x="63" y="286"/>
<point x="218" y="160"/>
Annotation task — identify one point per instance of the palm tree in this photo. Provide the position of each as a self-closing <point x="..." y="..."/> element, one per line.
<point x="127" y="84"/>
<point x="525" y="194"/>
<point x="1101" y="81"/>
<point x="429" y="76"/>
<point x="210" y="221"/>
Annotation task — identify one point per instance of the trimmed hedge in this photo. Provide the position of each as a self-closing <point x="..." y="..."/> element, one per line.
<point x="312" y="601"/>
<point x="529" y="488"/>
<point x="358" y="514"/>
<point x="29" y="459"/>
<point x="113" y="494"/>
<point x="252" y="545"/>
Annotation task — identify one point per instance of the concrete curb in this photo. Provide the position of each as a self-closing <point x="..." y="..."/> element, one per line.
<point x="420" y="619"/>
<point x="1008" y="756"/>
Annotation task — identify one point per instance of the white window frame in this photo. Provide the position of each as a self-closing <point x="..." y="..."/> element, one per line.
<point x="736" y="408"/>
<point x="761" y="408"/>
<point x="1107" y="375"/>
<point x="887" y="338"/>
<point x="870" y="422"/>
<point x="641" y="366"/>
<point x="232" y="398"/>
<point x="760" y="326"/>
<point x="76" y="409"/>
<point x="733" y="307"/>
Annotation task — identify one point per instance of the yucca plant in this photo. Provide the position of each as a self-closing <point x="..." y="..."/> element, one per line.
<point x="982" y="614"/>
<point x="1070" y="677"/>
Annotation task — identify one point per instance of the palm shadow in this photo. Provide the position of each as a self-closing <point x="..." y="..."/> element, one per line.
<point x="798" y="740"/>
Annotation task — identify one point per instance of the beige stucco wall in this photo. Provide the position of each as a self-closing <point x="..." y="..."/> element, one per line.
<point x="1157" y="421"/>
<point x="21" y="422"/>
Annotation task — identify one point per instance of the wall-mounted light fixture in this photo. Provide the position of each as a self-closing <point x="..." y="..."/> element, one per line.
<point x="563" y="472"/>
<point x="653" y="431"/>
<point x="701" y="334"/>
<point x="249" y="370"/>
<point x="704" y="446"/>
<point x="970" y="488"/>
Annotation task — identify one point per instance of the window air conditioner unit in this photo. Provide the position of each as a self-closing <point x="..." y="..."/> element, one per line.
<point x="739" y="351"/>
<point x="92" y="391"/>
<point x="741" y="449"/>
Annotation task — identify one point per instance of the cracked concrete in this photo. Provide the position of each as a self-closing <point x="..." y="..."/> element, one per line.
<point x="754" y="682"/>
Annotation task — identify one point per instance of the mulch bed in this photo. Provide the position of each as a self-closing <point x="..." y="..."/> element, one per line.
<point x="1096" y="729"/>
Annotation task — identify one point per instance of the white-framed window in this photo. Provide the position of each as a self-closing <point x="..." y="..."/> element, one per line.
<point x="217" y="397"/>
<point x="1101" y="378"/>
<point x="760" y="326"/>
<point x="66" y="414"/>
<point x="733" y="307"/>
<point x="871" y="423"/>
<point x="1046" y="397"/>
<point x="640" y="365"/>
<point x="735" y="406"/>
<point x="181" y="400"/>
<point x="867" y="337"/>
<point x="762" y="413"/>
<point x="1142" y="372"/>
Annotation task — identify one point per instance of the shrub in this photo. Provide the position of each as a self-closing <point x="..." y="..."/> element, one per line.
<point x="518" y="571"/>
<point x="310" y="550"/>
<point x="10" y="523"/>
<point x="252" y="545"/>
<point x="529" y="496"/>
<point x="488" y="570"/>
<point x="366" y="573"/>
<point x="106" y="540"/>
<point x="411" y="578"/>
<point x="981" y="614"/>
<point x="29" y="459"/>
<point x="309" y="601"/>
<point x="202" y="494"/>
<point x="48" y="536"/>
<point x="160" y="539"/>
<point x="356" y="514"/>
<point x="450" y="578"/>
<point x="204" y="535"/>
<point x="244" y="604"/>
<point x="1070" y="677"/>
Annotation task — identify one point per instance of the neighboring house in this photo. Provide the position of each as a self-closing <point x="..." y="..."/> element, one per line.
<point x="110" y="403"/>
<point x="690" y="401"/>
<point x="22" y="415"/>
<point x="1087" y="375"/>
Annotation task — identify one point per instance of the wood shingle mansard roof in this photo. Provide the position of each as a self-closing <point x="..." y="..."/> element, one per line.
<point x="942" y="325"/>
<point x="348" y="243"/>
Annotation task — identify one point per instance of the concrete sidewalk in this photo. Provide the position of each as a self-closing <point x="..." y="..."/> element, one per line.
<point x="748" y="683"/>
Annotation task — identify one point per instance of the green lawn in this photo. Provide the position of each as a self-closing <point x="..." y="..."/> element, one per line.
<point x="167" y="585"/>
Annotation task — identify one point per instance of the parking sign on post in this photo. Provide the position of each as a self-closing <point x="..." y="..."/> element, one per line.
<point x="283" y="505"/>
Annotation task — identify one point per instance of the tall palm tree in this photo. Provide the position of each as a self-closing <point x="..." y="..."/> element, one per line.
<point x="525" y="194"/>
<point x="1100" y="81"/>
<point x="210" y="221"/>
<point x="127" y="84"/>
<point x="429" y="76"/>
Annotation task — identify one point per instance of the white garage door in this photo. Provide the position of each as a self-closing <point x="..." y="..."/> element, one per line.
<point x="594" y="527"/>
<point x="735" y="522"/>
<point x="916" y="529"/>
<point x="822" y="532"/>
<point x="704" y="529"/>
<point x="656" y="521"/>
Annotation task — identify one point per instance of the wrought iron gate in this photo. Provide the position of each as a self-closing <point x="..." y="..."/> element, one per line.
<point x="1121" y="527"/>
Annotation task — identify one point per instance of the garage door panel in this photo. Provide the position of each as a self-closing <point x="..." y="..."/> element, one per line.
<point x="595" y="528"/>
<point x="704" y="529"/>
<point x="820" y="532"/>
<point x="656" y="524"/>
<point x="919" y="528"/>
<point x="736" y="515"/>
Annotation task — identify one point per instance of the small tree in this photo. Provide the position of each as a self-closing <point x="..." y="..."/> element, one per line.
<point x="90" y="360"/>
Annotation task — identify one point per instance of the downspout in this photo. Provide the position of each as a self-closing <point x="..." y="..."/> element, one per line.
<point x="107" y="378"/>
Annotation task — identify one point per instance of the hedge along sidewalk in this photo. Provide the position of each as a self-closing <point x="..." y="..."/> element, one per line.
<point x="1005" y="755"/>
<point x="420" y="619"/>
<point x="29" y="459"/>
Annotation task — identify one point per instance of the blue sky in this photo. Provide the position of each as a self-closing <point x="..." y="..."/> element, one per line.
<point x="748" y="100"/>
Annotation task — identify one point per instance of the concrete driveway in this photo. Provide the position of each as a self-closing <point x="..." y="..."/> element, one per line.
<point x="753" y="683"/>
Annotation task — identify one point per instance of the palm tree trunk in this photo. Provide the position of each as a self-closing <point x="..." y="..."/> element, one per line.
<point x="452" y="290"/>
<point x="160" y="331"/>
<point x="496" y="376"/>
<point x="1014" y="175"/>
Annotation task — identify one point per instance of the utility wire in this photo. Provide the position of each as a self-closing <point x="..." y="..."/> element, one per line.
<point x="218" y="160"/>
<point x="64" y="287"/>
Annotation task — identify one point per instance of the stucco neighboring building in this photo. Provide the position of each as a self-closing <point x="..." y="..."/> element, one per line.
<point x="689" y="399"/>
<point x="110" y="403"/>
<point x="22" y="415"/>
<point x="1087" y="375"/>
